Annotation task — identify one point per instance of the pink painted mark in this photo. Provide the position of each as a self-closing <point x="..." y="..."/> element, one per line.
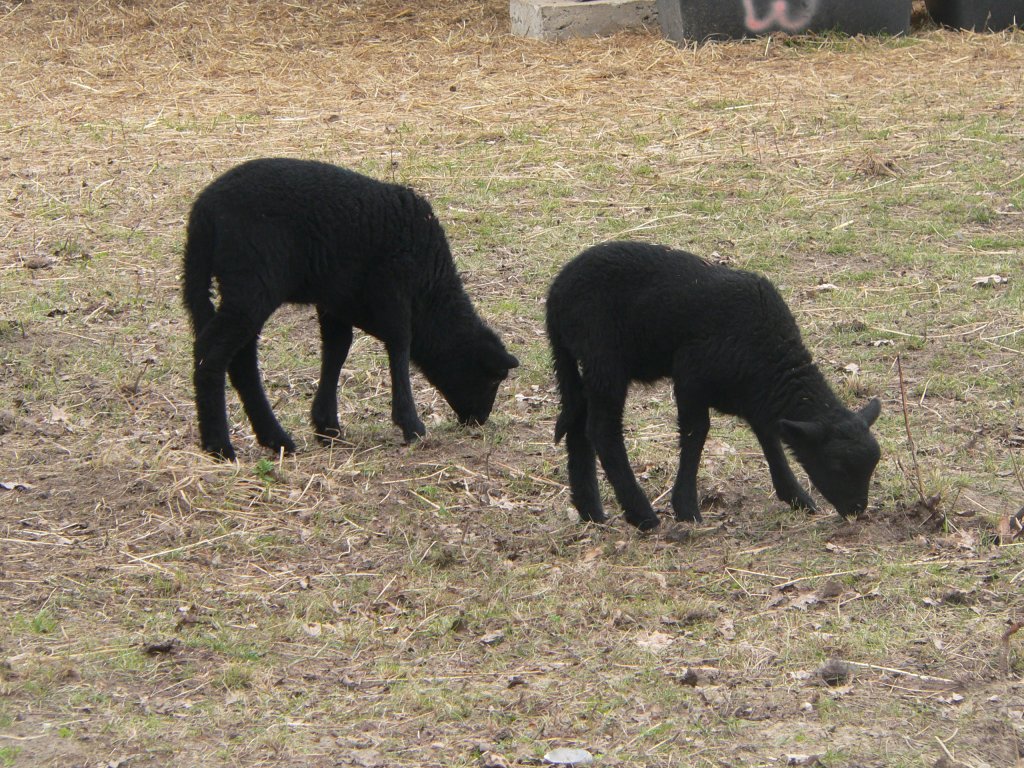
<point x="780" y="13"/>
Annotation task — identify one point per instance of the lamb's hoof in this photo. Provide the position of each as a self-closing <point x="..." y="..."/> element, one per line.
<point x="645" y="523"/>
<point x="328" y="434"/>
<point x="599" y="518"/>
<point x="805" y="503"/>
<point x="279" y="443"/>
<point x="413" y="433"/>
<point x="223" y="452"/>
<point x="689" y="516"/>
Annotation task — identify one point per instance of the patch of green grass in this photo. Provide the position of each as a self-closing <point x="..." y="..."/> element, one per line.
<point x="43" y="622"/>
<point x="235" y="677"/>
<point x="229" y="644"/>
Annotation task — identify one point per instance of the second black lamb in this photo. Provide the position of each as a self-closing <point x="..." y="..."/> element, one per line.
<point x="627" y="311"/>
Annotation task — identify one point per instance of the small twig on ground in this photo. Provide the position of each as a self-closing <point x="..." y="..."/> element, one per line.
<point x="945" y="749"/>
<point x="929" y="503"/>
<point x="903" y="673"/>
<point x="919" y="485"/>
<point x="184" y="548"/>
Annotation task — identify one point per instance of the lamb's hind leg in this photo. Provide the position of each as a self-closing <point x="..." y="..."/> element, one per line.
<point x="582" y="467"/>
<point x="694" y="422"/>
<point x="216" y="346"/>
<point x="604" y="427"/>
<point x="336" y="339"/>
<point x="572" y="424"/>
<point x="245" y="377"/>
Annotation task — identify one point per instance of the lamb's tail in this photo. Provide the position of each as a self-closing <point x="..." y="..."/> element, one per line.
<point x="198" y="270"/>
<point x="570" y="387"/>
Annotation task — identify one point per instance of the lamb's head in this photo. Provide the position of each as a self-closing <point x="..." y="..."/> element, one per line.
<point x="839" y="455"/>
<point x="469" y="374"/>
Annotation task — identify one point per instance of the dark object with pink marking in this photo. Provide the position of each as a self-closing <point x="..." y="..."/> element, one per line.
<point x="701" y="20"/>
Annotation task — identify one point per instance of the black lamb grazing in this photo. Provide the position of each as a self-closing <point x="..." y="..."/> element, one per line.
<point x="625" y="311"/>
<point x="367" y="254"/>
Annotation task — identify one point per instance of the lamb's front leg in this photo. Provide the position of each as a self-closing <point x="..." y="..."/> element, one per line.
<point x="694" y="423"/>
<point x="335" y="341"/>
<point x="403" y="407"/>
<point x="787" y="487"/>
<point x="604" y="428"/>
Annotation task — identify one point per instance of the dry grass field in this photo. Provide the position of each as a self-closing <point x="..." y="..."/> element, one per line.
<point x="370" y="604"/>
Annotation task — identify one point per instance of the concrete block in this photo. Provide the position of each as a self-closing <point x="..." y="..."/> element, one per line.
<point x="700" y="20"/>
<point x="562" y="19"/>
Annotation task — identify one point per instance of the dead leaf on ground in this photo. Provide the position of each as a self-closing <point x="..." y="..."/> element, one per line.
<point x="655" y="641"/>
<point x="693" y="616"/>
<point x="367" y="758"/>
<point x="876" y="166"/>
<point x="1011" y="527"/>
<point x="59" y="416"/>
<point x="823" y="288"/>
<point x="832" y="588"/>
<point x="803" y="759"/>
<point x="15" y="486"/>
<point x="804" y="601"/>
<point x="160" y="646"/>
<point x="1014" y="628"/>
<point x="38" y="262"/>
<point x="987" y="281"/>
<point x="837" y="549"/>
<point x="494" y="760"/>
<point x="189" y="615"/>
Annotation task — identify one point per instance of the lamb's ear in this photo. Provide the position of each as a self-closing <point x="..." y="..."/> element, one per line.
<point x="801" y="431"/>
<point x="500" y="363"/>
<point x="870" y="411"/>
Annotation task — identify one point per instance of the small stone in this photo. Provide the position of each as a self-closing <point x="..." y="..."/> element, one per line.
<point x="567" y="756"/>
<point x="835" y="672"/>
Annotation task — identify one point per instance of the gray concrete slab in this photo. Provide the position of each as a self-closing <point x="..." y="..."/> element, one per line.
<point x="562" y="19"/>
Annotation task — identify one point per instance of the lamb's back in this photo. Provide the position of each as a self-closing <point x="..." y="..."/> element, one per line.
<point x="648" y="297"/>
<point x="317" y="228"/>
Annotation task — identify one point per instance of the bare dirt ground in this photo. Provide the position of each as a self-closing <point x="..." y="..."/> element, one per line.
<point x="372" y="604"/>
